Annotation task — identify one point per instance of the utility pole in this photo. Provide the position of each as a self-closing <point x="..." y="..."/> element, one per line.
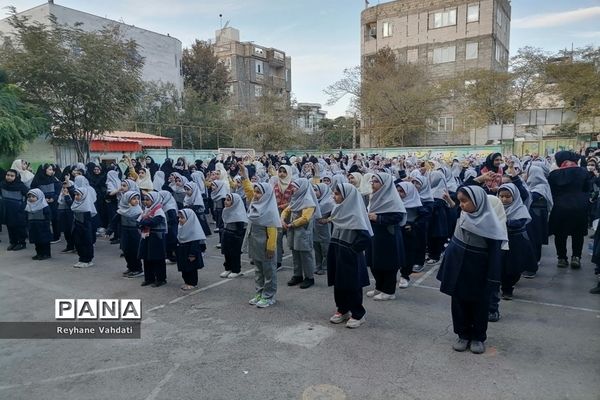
<point x="354" y="131"/>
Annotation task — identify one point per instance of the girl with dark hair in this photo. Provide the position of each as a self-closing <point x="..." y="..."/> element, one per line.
<point x="153" y="225"/>
<point x="48" y="183"/>
<point x="39" y="219"/>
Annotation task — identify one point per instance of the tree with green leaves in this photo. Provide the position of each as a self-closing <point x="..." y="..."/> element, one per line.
<point x="336" y="133"/>
<point x="20" y="121"/>
<point x="87" y="81"/>
<point x="205" y="73"/>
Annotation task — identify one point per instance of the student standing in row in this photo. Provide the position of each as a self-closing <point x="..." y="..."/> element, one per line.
<point x="169" y="206"/>
<point x="153" y="224"/>
<point x="39" y="220"/>
<point x="235" y="219"/>
<point x="322" y="227"/>
<point x="14" y="199"/>
<point x="346" y="265"/>
<point x="386" y="255"/>
<point x="471" y="261"/>
<point x="414" y="232"/>
<point x="84" y="233"/>
<point x="191" y="244"/>
<point x="127" y="215"/>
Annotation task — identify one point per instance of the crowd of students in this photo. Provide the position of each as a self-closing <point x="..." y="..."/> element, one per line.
<point x="482" y="223"/>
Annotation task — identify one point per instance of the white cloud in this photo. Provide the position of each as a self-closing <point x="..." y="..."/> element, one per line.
<point x="550" y="20"/>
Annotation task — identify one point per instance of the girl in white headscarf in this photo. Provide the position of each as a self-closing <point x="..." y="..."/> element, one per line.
<point x="471" y="261"/>
<point x="84" y="211"/>
<point x="235" y="219"/>
<point x="39" y="218"/>
<point x="144" y="181"/>
<point x="298" y="220"/>
<point x="541" y="205"/>
<point x="365" y="188"/>
<point x="439" y="224"/>
<point x="21" y="167"/>
<point x="128" y="213"/>
<point x="414" y="232"/>
<point x="346" y="265"/>
<point x="220" y="190"/>
<point x="169" y="207"/>
<point x="176" y="183"/>
<point x="387" y="214"/>
<point x="153" y="224"/>
<point x="158" y="181"/>
<point x="192" y="243"/>
<point x="322" y="227"/>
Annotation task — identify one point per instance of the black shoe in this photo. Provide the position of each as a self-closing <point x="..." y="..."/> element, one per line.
<point x="36" y="257"/>
<point x="562" y="263"/>
<point x="159" y="283"/>
<point x="307" y="283"/>
<point x="67" y="250"/>
<point x="251" y="262"/>
<point x="19" y="246"/>
<point x="320" y="272"/>
<point x="126" y="272"/>
<point x="494" y="316"/>
<point x="595" y="290"/>
<point x="134" y="274"/>
<point x="575" y="262"/>
<point x="279" y="267"/>
<point x="147" y="283"/>
<point x="295" y="281"/>
<point x="11" y="247"/>
<point x="507" y="296"/>
<point x="528" y="274"/>
<point x="44" y="257"/>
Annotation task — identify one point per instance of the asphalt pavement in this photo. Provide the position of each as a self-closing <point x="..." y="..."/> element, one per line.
<point x="210" y="344"/>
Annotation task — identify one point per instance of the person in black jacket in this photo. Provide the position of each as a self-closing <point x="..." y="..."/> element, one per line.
<point x="234" y="230"/>
<point x="82" y="205"/>
<point x="153" y="224"/>
<point x="570" y="186"/>
<point x="47" y="182"/>
<point x="39" y="220"/>
<point x="191" y="244"/>
<point x="14" y="194"/>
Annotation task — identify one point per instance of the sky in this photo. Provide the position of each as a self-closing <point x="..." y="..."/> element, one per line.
<point x="323" y="36"/>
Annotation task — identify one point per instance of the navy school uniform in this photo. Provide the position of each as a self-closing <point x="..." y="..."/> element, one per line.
<point x="83" y="233"/>
<point x="233" y="237"/>
<point x="347" y="271"/>
<point x="112" y="205"/>
<point x="219" y="205"/>
<point x="152" y="249"/>
<point x="465" y="274"/>
<point x="201" y="215"/>
<point x="129" y="240"/>
<point x="171" y="235"/>
<point x="537" y="229"/>
<point x="40" y="234"/>
<point x="51" y="191"/>
<point x="14" y="215"/>
<point x="414" y="234"/>
<point x="520" y="256"/>
<point x="65" y="220"/>
<point x="189" y="269"/>
<point x="386" y="253"/>
<point x="438" y="231"/>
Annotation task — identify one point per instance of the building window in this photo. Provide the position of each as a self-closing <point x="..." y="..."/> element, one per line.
<point x="257" y="90"/>
<point x="499" y="16"/>
<point x="278" y="56"/>
<point x="412" y="56"/>
<point x="371" y="31"/>
<point x="472" y="51"/>
<point x="287" y="75"/>
<point x="473" y="13"/>
<point x="444" y="18"/>
<point x="445" y="124"/>
<point x="259" y="67"/>
<point x="387" y="29"/>
<point x="501" y="54"/>
<point x="259" y="52"/>
<point x="444" y="54"/>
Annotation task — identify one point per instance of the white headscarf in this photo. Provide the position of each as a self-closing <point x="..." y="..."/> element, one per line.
<point x="438" y="184"/>
<point x="155" y="209"/>
<point x="145" y="183"/>
<point x="425" y="190"/>
<point x="264" y="212"/>
<point x="113" y="183"/>
<point x="167" y="200"/>
<point x="499" y="210"/>
<point x="326" y="202"/>
<point x="191" y="229"/>
<point x="386" y="199"/>
<point x="174" y="186"/>
<point x="81" y="181"/>
<point x="131" y="187"/>
<point x="283" y="183"/>
<point x="126" y="209"/>
<point x="37" y="205"/>
<point x="159" y="180"/>
<point x="304" y="197"/>
<point x="412" y="199"/>
<point x="196" y="197"/>
<point x="484" y="220"/>
<point x="26" y="175"/>
<point x="470" y="173"/>
<point x="222" y="189"/>
<point x="516" y="209"/>
<point x="198" y="178"/>
<point x="86" y="203"/>
<point x="451" y="183"/>
<point x="365" y="184"/>
<point x="236" y="212"/>
<point x="357" y="178"/>
<point x="538" y="183"/>
<point x="350" y="214"/>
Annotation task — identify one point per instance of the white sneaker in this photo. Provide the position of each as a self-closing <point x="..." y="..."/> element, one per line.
<point x="338" y="318"/>
<point x="403" y="284"/>
<point x="167" y="261"/>
<point x="255" y="300"/>
<point x="355" y="323"/>
<point x="372" y="293"/>
<point x="77" y="264"/>
<point x="233" y="275"/>
<point x="86" y="265"/>
<point x="432" y="261"/>
<point x="418" y="268"/>
<point x="218" y="246"/>
<point x="384" y="297"/>
<point x="224" y="274"/>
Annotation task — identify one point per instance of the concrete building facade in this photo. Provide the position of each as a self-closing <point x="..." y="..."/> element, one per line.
<point x="309" y="117"/>
<point x="162" y="53"/>
<point x="254" y="69"/>
<point x="446" y="36"/>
